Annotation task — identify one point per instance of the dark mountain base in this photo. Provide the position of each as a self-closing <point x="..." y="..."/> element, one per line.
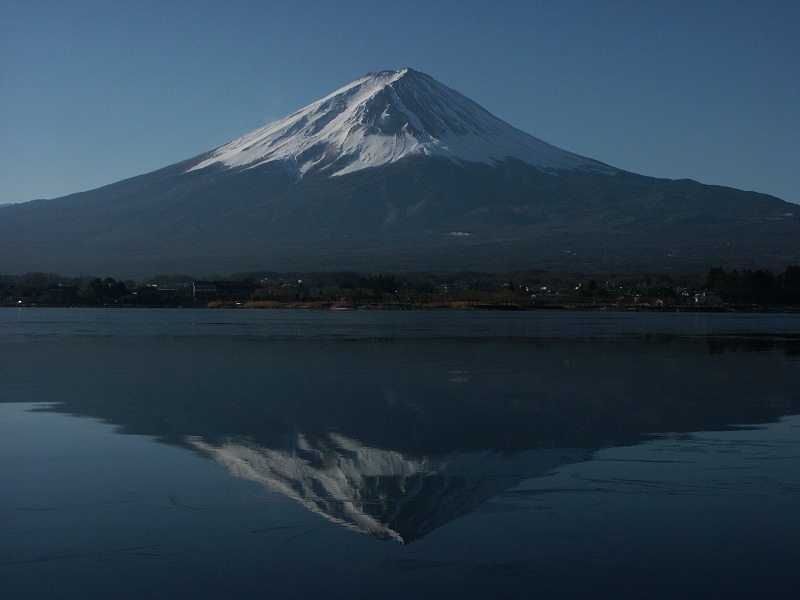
<point x="418" y="214"/>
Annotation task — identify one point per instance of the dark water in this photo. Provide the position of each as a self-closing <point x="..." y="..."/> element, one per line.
<point x="311" y="454"/>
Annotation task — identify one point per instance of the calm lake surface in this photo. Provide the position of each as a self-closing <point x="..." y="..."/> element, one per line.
<point x="354" y="454"/>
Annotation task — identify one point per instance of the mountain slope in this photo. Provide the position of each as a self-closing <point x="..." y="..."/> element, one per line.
<point x="395" y="171"/>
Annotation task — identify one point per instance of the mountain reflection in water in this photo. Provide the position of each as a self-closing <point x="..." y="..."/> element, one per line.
<point x="394" y="438"/>
<point x="380" y="492"/>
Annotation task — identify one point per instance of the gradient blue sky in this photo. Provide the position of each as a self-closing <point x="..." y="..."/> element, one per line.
<point x="94" y="92"/>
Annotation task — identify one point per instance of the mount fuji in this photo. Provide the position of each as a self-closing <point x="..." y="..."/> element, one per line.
<point x="395" y="171"/>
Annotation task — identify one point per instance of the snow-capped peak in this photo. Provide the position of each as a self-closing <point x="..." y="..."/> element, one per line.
<point x="383" y="117"/>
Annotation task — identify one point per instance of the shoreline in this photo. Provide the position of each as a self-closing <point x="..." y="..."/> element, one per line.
<point x="456" y="306"/>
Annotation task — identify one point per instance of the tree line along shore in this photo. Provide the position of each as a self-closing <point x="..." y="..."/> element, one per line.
<point x="716" y="289"/>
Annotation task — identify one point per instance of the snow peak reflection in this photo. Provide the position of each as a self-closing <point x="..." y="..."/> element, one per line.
<point x="381" y="493"/>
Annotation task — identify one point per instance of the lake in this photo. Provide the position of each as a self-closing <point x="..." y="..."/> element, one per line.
<point x="412" y="454"/>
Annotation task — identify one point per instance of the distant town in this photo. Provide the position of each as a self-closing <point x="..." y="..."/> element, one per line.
<point x="716" y="289"/>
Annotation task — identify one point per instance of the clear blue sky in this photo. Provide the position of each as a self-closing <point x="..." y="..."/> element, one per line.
<point x="94" y="92"/>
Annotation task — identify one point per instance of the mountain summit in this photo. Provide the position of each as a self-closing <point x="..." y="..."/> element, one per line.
<point x="395" y="171"/>
<point x="382" y="118"/>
